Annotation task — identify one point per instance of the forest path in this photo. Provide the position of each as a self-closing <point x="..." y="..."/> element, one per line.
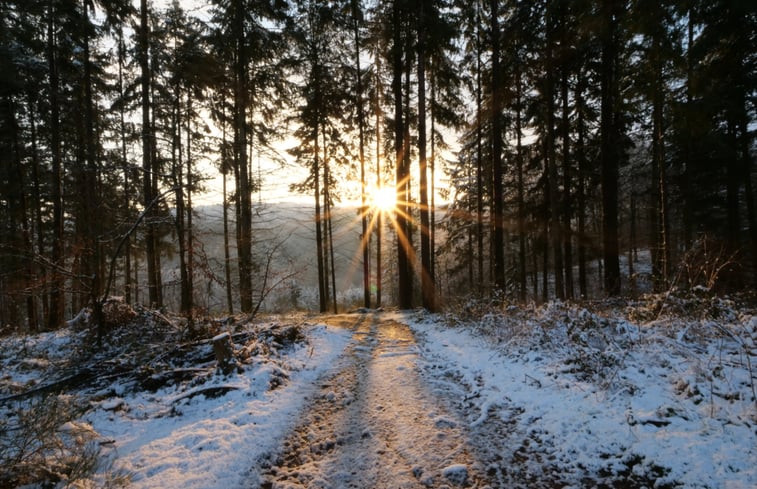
<point x="374" y="423"/>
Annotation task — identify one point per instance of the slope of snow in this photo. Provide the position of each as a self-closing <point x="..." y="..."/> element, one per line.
<point x="196" y="442"/>
<point x="207" y="433"/>
<point x="586" y="397"/>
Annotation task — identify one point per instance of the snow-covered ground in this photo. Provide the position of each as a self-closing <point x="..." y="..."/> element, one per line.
<point x="203" y="433"/>
<point x="588" y="400"/>
<point x="173" y="439"/>
<point x="658" y="393"/>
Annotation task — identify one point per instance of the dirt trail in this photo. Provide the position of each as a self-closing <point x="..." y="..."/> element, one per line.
<point x="374" y="423"/>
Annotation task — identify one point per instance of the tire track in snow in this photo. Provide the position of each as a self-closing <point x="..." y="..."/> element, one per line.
<point x="374" y="423"/>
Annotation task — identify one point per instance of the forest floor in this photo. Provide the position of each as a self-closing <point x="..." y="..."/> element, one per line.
<point x="658" y="392"/>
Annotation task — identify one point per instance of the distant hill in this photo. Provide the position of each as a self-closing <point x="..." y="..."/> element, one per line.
<point x="289" y="228"/>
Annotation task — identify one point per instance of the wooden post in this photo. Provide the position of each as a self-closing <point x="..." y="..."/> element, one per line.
<point x="223" y="350"/>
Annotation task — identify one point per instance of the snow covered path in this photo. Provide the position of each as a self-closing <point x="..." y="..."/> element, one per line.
<point x="554" y="396"/>
<point x="375" y="423"/>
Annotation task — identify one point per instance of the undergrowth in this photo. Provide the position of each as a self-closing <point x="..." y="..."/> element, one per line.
<point x="43" y="444"/>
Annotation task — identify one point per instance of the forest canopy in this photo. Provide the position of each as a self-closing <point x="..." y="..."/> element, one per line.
<point x="531" y="150"/>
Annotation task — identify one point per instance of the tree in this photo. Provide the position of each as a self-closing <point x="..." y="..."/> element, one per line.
<point x="399" y="60"/>
<point x="147" y="152"/>
<point x="610" y="143"/>
<point x="428" y="287"/>
<point x="357" y="17"/>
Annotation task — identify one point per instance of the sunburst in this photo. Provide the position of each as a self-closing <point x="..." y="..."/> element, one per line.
<point x="382" y="199"/>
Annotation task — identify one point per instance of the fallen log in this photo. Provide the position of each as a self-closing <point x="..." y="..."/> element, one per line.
<point x="77" y="378"/>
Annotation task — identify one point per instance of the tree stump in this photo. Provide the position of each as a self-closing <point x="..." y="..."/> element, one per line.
<point x="223" y="351"/>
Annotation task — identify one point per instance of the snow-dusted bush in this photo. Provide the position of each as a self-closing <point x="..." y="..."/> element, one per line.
<point x="45" y="444"/>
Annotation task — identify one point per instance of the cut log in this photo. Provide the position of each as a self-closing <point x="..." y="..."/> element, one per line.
<point x="223" y="350"/>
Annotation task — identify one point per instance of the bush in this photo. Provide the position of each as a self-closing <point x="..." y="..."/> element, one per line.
<point x="44" y="444"/>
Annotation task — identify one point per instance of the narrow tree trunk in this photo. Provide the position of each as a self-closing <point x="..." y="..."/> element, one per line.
<point x="432" y="184"/>
<point x="555" y="226"/>
<point x="17" y="193"/>
<point x="147" y="176"/>
<point x="365" y="238"/>
<point x="609" y="150"/>
<point x="330" y="231"/>
<point x="746" y="167"/>
<point x="241" y="102"/>
<point x="403" y="244"/>
<point x="733" y="218"/>
<point x="545" y="212"/>
<point x="178" y="183"/>
<point x="632" y="245"/>
<point x="412" y="258"/>
<point x="322" y="281"/>
<point x="428" y="287"/>
<point x="189" y="230"/>
<point x="479" y="157"/>
<point x="535" y="265"/>
<point x="567" y="200"/>
<point x="226" y="254"/>
<point x="580" y="190"/>
<point x="660" y="246"/>
<point x="93" y="256"/>
<point x="37" y="203"/>
<point x="497" y="171"/>
<point x="470" y="231"/>
<point x="122" y="126"/>
<point x="520" y="190"/>
<point x="379" y="185"/>
<point x="225" y="164"/>
<point x="158" y="279"/>
<point x="688" y="148"/>
<point x="57" y="299"/>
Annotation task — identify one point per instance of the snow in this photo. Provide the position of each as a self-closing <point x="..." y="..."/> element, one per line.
<point x="221" y="336"/>
<point x="641" y="408"/>
<point x="555" y="394"/>
<point x="456" y="473"/>
<point x="171" y="440"/>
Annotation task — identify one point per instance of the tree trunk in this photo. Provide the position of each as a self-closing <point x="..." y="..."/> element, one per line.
<point x="226" y="254"/>
<point x="580" y="191"/>
<point x="330" y="228"/>
<point x="156" y="171"/>
<point x="190" y="236"/>
<point x="241" y="101"/>
<point x="479" y="157"/>
<point x="365" y="238"/>
<point x="497" y="172"/>
<point x="93" y="256"/>
<point x="37" y="202"/>
<point x="746" y="164"/>
<point x="566" y="165"/>
<point x="609" y="150"/>
<point x="178" y="183"/>
<point x="428" y="287"/>
<point x="57" y="299"/>
<point x="733" y="219"/>
<point x="379" y="185"/>
<point x="432" y="185"/>
<point x="555" y="226"/>
<point x="520" y="190"/>
<point x="124" y="161"/>
<point x="19" y="213"/>
<point x="660" y="245"/>
<point x="403" y="243"/>
<point x="688" y="148"/>
<point x="147" y="166"/>
<point x="322" y="281"/>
